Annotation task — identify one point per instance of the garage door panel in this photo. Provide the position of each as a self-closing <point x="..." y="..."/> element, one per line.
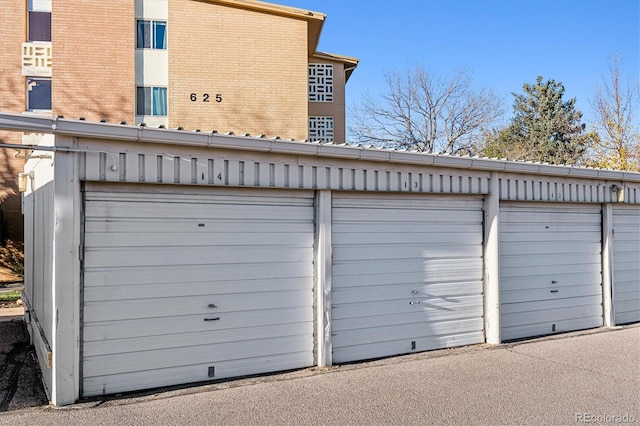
<point x="365" y="293"/>
<point x="407" y="331"/>
<point x="142" y="291"/>
<point x="626" y="263"/>
<point x="536" y="282"/>
<point x="534" y="234"/>
<point x="404" y="267"/>
<point x="361" y="319"/>
<point x="148" y="287"/>
<point x="406" y="251"/>
<point x="549" y="293"/>
<point x="401" y="230"/>
<point x="550" y="268"/>
<point x="594" y="301"/>
<point x="573" y="261"/>
<point x="541" y="329"/>
<point x="165" y="274"/>
<point x="200" y="226"/>
<point x="548" y="216"/>
<point x="143" y="327"/>
<point x="428" y="307"/>
<point x="626" y="259"/>
<point x="467" y="270"/>
<point x="101" y="209"/>
<point x="146" y="379"/>
<point x="156" y="256"/>
<point x="158" y="307"/>
<point x="195" y="339"/>
<point x="408" y="202"/>
<point x="103" y="365"/>
<point x="564" y="247"/>
<point x="404" y="346"/>
<point x="439" y="236"/>
<point x="553" y="316"/>
<point x="180" y="239"/>
<point x="558" y="272"/>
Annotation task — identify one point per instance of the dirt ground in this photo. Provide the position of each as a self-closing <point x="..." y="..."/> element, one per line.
<point x="20" y="380"/>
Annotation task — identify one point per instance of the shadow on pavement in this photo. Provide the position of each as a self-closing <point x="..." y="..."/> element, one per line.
<point x="20" y="379"/>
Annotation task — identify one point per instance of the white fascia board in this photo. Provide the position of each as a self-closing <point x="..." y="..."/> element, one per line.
<point x="104" y="131"/>
<point x="488" y="164"/>
<point x="377" y="155"/>
<point x="631" y="177"/>
<point x="340" y="151"/>
<point x="177" y="137"/>
<point x="457" y="162"/>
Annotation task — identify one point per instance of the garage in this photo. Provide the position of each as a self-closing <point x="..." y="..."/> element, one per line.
<point x="550" y="269"/>
<point x="626" y="264"/>
<point x="406" y="274"/>
<point x="186" y="284"/>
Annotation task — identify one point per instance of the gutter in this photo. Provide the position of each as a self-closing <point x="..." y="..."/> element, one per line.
<point x="106" y="131"/>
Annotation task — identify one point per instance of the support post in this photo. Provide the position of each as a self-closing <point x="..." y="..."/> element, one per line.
<point x="323" y="279"/>
<point x="65" y="289"/>
<point x="608" y="311"/>
<point x="492" y="263"/>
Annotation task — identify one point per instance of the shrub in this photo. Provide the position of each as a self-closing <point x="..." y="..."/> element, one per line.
<point x="12" y="257"/>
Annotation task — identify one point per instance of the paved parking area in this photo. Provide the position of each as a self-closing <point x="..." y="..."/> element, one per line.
<point x="579" y="378"/>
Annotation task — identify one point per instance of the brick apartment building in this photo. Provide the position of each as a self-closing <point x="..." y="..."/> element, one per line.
<point x="237" y="66"/>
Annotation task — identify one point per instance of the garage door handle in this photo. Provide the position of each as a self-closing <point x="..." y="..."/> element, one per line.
<point x="554" y="291"/>
<point x="212" y="319"/>
<point x="414" y="302"/>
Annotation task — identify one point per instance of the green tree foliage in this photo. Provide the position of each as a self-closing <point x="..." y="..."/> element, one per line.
<point x="544" y="128"/>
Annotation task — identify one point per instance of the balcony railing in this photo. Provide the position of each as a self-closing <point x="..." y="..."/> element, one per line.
<point x="36" y="58"/>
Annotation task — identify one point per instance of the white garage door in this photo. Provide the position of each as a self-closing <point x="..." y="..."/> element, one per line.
<point x="407" y="274"/>
<point x="550" y="269"/>
<point x="626" y="263"/>
<point x="184" y="288"/>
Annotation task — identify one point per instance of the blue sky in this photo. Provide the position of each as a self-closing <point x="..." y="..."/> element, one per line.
<point x="503" y="43"/>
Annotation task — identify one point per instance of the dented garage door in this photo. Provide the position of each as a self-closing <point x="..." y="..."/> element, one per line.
<point x="406" y="274"/>
<point x="186" y="286"/>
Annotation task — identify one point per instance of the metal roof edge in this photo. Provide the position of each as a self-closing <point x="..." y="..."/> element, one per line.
<point x="79" y="128"/>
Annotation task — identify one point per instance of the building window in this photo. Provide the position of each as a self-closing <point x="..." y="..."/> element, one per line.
<point x="320" y="82"/>
<point x="151" y="34"/>
<point x="321" y="129"/>
<point x="38" y="94"/>
<point x="151" y="101"/>
<point x="39" y="26"/>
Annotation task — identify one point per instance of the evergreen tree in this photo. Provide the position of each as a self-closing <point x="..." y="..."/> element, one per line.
<point x="544" y="128"/>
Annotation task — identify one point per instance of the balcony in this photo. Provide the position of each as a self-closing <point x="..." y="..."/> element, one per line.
<point x="36" y="58"/>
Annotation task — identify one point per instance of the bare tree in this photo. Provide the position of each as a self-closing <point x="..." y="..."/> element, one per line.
<point x="618" y="144"/>
<point x="425" y="112"/>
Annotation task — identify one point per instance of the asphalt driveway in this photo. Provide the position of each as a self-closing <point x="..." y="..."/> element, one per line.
<point x="590" y="377"/>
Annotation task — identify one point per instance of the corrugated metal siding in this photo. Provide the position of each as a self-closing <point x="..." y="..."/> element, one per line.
<point x="150" y="163"/>
<point x="237" y="168"/>
<point x="626" y="264"/>
<point x="157" y="265"/>
<point x="550" y="269"/>
<point x="407" y="274"/>
<point x="38" y="244"/>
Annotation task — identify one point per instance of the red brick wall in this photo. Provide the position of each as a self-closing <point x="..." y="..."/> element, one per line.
<point x="12" y="99"/>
